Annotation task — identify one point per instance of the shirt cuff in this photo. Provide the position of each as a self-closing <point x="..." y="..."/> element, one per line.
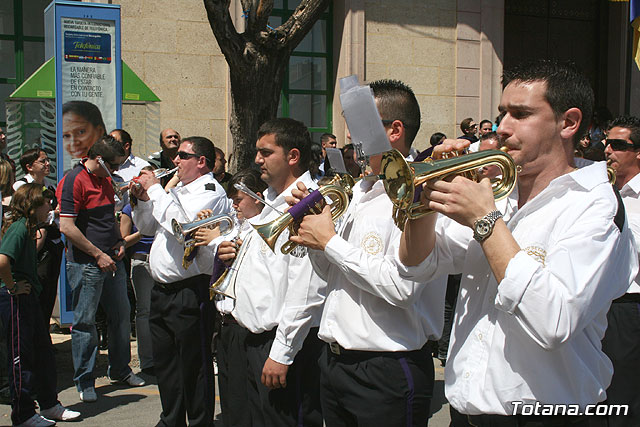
<point x="516" y="280"/>
<point x="155" y="191"/>
<point x="336" y="249"/>
<point x="281" y="353"/>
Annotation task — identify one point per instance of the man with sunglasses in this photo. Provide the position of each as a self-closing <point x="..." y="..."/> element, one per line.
<point x="622" y="339"/>
<point x="181" y="312"/>
<point x="95" y="271"/>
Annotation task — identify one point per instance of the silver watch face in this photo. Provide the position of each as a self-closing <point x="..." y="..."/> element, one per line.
<point x="483" y="227"/>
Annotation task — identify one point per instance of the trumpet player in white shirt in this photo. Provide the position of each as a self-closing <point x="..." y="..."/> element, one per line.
<point x="375" y="369"/>
<point x="181" y="311"/>
<point x="231" y="349"/>
<point x="536" y="287"/>
<point x="278" y="298"/>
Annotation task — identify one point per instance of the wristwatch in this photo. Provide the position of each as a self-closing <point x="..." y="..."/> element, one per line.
<point x="483" y="227"/>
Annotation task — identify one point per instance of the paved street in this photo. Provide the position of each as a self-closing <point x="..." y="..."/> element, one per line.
<point x="121" y="406"/>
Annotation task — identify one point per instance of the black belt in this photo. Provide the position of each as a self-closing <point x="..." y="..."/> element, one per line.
<point x="228" y="319"/>
<point x="337" y="350"/>
<point x="628" y="298"/>
<point x="140" y="257"/>
<point x="185" y="283"/>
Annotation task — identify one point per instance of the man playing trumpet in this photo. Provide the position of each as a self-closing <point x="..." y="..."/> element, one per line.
<point x="536" y="284"/>
<point x="375" y="369"/>
<point x="181" y="312"/>
<point x="278" y="298"/>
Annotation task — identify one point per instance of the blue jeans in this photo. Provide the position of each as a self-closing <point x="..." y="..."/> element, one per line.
<point x="90" y="286"/>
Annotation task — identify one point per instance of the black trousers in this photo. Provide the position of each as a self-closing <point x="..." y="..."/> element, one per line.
<point x="49" y="259"/>
<point x="232" y="374"/>
<point x="32" y="364"/>
<point x="621" y="343"/>
<point x="298" y="404"/>
<point x="180" y="322"/>
<point x="361" y="388"/>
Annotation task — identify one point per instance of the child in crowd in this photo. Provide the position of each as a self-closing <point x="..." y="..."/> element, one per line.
<point x="32" y="367"/>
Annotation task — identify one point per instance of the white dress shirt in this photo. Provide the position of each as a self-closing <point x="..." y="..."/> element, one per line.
<point x="131" y="167"/>
<point x="154" y="217"/>
<point x="630" y="194"/>
<point x="369" y="306"/>
<point x="276" y="290"/>
<point x="19" y="183"/>
<point x="536" y="335"/>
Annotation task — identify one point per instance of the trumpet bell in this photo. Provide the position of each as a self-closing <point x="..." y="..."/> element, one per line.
<point x="183" y="232"/>
<point x="403" y="180"/>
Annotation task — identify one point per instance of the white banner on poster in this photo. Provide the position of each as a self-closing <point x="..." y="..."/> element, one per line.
<point x="88" y="84"/>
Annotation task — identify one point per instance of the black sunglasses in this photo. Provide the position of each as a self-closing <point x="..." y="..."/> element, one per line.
<point x="619" y="144"/>
<point x="184" y="155"/>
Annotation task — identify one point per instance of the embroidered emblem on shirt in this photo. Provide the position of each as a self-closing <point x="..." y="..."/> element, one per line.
<point x="210" y="186"/>
<point x="371" y="243"/>
<point x="263" y="247"/>
<point x="299" y="252"/>
<point x="536" y="253"/>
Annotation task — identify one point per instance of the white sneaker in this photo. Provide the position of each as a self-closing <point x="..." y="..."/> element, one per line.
<point x="60" y="413"/>
<point x="88" y="395"/>
<point x="37" y="421"/>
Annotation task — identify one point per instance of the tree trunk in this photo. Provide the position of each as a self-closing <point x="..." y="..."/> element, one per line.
<point x="257" y="59"/>
<point x="255" y="92"/>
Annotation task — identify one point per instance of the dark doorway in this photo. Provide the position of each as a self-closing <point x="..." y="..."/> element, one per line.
<point x="574" y="30"/>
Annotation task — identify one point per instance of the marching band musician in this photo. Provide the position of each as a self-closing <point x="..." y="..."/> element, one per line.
<point x="278" y="298"/>
<point x="231" y="352"/>
<point x="375" y="369"/>
<point x="535" y="289"/>
<point x="181" y="312"/>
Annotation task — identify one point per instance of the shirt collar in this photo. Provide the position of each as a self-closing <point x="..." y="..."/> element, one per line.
<point x="632" y="187"/>
<point x="195" y="184"/>
<point x="587" y="177"/>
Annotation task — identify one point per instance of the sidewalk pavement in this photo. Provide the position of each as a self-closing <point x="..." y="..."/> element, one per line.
<point x="118" y="405"/>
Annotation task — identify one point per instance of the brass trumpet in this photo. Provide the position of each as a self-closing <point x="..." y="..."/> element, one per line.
<point x="222" y="285"/>
<point x="611" y="173"/>
<point x="310" y="204"/>
<point x="403" y="181"/>
<point x="184" y="232"/>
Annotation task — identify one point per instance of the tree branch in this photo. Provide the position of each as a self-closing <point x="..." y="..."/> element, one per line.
<point x="301" y="21"/>
<point x="231" y="43"/>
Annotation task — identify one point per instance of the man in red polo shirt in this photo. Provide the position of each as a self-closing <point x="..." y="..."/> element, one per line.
<point x="94" y="268"/>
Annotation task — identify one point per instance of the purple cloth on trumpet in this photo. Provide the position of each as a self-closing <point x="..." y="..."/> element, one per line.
<point x="417" y="191"/>
<point x="218" y="268"/>
<point x="303" y="207"/>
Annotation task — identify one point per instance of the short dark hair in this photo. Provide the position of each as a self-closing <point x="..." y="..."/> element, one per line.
<point x="290" y="134"/>
<point x="628" y="122"/>
<point x="90" y="112"/>
<point x="566" y="88"/>
<point x="486" y="121"/>
<point x="436" y="138"/>
<point x="218" y="151"/>
<point x="124" y="135"/>
<point x="465" y="124"/>
<point x="203" y="147"/>
<point x="489" y="135"/>
<point x="326" y="137"/>
<point x="108" y="148"/>
<point x="30" y="156"/>
<point x="249" y="177"/>
<point x="348" y="147"/>
<point x="396" y="101"/>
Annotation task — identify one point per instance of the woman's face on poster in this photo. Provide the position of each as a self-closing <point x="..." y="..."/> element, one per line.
<point x="78" y="135"/>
